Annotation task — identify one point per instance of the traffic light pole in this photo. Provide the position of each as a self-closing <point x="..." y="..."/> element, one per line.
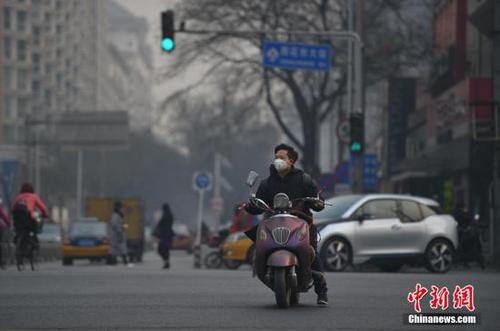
<point x="339" y="34"/>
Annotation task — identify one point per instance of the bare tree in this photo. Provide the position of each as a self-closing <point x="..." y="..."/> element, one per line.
<point x="312" y="95"/>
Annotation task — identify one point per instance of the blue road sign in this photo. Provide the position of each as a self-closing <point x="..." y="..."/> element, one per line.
<point x="370" y="169"/>
<point x="297" y="56"/>
<point x="202" y="180"/>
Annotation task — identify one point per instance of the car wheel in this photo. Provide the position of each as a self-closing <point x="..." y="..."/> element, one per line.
<point x="213" y="260"/>
<point x="336" y="254"/>
<point x="439" y="256"/>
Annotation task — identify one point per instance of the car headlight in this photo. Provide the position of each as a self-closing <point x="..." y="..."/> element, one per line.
<point x="301" y="233"/>
<point x="262" y="234"/>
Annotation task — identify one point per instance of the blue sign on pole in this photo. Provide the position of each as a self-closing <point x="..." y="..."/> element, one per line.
<point x="297" y="56"/>
<point x="370" y="169"/>
<point x="9" y="169"/>
<point x="202" y="181"/>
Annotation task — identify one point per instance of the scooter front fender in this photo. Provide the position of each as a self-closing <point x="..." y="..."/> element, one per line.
<point x="282" y="258"/>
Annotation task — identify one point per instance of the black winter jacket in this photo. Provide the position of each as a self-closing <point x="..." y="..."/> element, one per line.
<point x="296" y="184"/>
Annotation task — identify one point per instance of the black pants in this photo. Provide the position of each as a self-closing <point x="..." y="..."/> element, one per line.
<point x="164" y="253"/>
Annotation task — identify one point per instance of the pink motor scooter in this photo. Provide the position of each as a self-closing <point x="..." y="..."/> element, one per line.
<point x="283" y="254"/>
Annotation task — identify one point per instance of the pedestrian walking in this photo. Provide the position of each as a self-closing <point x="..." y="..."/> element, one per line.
<point x="4" y="226"/>
<point x="164" y="233"/>
<point x="118" y="238"/>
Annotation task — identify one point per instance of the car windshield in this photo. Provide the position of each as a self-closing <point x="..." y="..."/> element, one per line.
<point x="339" y="206"/>
<point x="181" y="229"/>
<point x="51" y="229"/>
<point x="88" y="229"/>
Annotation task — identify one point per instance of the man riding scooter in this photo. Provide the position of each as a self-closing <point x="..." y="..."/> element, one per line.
<point x="296" y="184"/>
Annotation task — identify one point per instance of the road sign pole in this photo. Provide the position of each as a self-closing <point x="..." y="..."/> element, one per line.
<point x="79" y="183"/>
<point x="202" y="181"/>
<point x="197" y="247"/>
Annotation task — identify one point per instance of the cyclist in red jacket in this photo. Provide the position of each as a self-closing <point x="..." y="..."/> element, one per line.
<point x="23" y="211"/>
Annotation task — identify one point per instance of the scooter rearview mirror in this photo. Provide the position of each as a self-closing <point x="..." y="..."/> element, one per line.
<point x="252" y="178"/>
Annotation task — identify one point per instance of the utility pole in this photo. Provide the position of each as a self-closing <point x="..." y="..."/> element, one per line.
<point x="496" y="103"/>
<point x="357" y="170"/>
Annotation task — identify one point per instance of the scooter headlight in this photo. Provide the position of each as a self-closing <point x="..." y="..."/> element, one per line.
<point x="262" y="234"/>
<point x="301" y="233"/>
<point x="281" y="201"/>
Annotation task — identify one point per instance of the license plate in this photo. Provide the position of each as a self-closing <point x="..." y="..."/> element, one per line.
<point x="86" y="243"/>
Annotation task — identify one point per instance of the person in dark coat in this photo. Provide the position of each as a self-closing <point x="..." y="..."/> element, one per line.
<point x="165" y="234"/>
<point x="295" y="183"/>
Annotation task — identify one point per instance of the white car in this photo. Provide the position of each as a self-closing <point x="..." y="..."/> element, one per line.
<point x="388" y="230"/>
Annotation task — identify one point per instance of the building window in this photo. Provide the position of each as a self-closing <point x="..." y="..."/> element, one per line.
<point x="22" y="108"/>
<point x="9" y="107"/>
<point x="48" y="98"/>
<point x="35" y="86"/>
<point x="7" y="22"/>
<point x="21" y="21"/>
<point x="36" y="36"/>
<point x="7" y="48"/>
<point x="22" y="80"/>
<point x="21" y="50"/>
<point x="36" y="63"/>
<point x="8" y="77"/>
<point x="48" y="22"/>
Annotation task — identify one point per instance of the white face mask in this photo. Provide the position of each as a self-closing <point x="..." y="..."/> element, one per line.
<point x="280" y="165"/>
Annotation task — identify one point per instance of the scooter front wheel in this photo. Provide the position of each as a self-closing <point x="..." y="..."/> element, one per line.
<point x="213" y="260"/>
<point x="282" y="291"/>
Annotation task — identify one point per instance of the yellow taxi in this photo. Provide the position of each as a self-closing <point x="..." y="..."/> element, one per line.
<point x="87" y="239"/>
<point x="236" y="250"/>
<point x="183" y="240"/>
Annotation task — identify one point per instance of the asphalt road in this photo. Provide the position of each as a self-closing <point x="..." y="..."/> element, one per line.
<point x="145" y="297"/>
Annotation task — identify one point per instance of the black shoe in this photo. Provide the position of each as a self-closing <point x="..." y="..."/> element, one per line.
<point x="166" y="265"/>
<point x="322" y="299"/>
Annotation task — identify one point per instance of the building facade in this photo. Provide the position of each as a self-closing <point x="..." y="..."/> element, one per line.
<point x="445" y="156"/>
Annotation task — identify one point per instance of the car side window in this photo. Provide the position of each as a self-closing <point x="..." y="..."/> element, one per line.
<point x="380" y="209"/>
<point x="427" y="211"/>
<point x="409" y="211"/>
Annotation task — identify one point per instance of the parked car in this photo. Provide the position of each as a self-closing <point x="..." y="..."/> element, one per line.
<point x="51" y="233"/>
<point x="388" y="230"/>
<point x="183" y="240"/>
<point x="237" y="249"/>
<point x="87" y="239"/>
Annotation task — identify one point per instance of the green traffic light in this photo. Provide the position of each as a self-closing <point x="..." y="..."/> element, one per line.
<point x="168" y="44"/>
<point x="355" y="147"/>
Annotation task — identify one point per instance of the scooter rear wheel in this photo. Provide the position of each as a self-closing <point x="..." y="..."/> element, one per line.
<point x="282" y="291"/>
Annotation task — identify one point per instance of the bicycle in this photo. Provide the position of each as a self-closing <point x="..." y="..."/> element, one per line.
<point x="27" y="248"/>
